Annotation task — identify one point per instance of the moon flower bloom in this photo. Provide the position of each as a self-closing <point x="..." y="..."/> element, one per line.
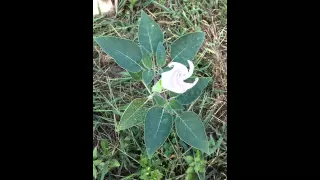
<point x="173" y="80"/>
<point x="105" y="6"/>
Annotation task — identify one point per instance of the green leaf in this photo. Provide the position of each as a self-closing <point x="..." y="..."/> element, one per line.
<point x="132" y="2"/>
<point x="216" y="146"/>
<point x="101" y="165"/>
<point x="143" y="162"/>
<point x="175" y="105"/>
<point x="157" y="128"/>
<point x="95" y="153"/>
<point x="144" y="177"/>
<point x="104" y="171"/>
<point x="192" y="94"/>
<point x="198" y="155"/>
<point x="190" y="129"/>
<point x="156" y="174"/>
<point x="147" y="76"/>
<point x="147" y="61"/>
<point x="150" y="34"/>
<point x="159" y="100"/>
<point x="165" y="69"/>
<point x="126" y="53"/>
<point x="97" y="162"/>
<point x="190" y="176"/>
<point x="172" y="94"/>
<point x="186" y="47"/>
<point x="134" y="114"/>
<point x="201" y="175"/>
<point x="94" y="172"/>
<point x="161" y="55"/>
<point x="157" y="87"/>
<point x="104" y="147"/>
<point x="197" y="167"/>
<point x="168" y="108"/>
<point x="189" y="159"/>
<point x="136" y="76"/>
<point x="113" y="163"/>
<point x="190" y="170"/>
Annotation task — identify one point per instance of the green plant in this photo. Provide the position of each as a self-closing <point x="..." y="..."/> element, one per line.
<point x="149" y="171"/>
<point x="196" y="166"/>
<point x="102" y="162"/>
<point x="145" y="62"/>
<point x="132" y="3"/>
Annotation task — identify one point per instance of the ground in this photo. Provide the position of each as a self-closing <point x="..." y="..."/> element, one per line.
<point x="114" y="89"/>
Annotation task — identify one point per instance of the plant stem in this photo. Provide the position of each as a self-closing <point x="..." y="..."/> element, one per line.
<point x="147" y="87"/>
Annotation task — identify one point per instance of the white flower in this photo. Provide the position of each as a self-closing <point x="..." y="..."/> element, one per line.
<point x="105" y="6"/>
<point x="173" y="80"/>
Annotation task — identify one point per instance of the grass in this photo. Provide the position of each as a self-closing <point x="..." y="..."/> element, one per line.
<point x="114" y="89"/>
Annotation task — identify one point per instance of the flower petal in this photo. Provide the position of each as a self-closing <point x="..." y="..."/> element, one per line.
<point x="173" y="80"/>
<point x="178" y="67"/>
<point x="191" y="68"/>
<point x="105" y="7"/>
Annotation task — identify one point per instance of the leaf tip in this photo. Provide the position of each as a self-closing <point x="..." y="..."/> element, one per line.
<point x="143" y="13"/>
<point x="149" y="154"/>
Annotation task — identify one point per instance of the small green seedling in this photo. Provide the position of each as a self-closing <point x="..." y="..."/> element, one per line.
<point x="102" y="162"/>
<point x="196" y="166"/>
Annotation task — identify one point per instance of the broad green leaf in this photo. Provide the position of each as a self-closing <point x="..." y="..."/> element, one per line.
<point x="159" y="100"/>
<point x="95" y="153"/>
<point x="150" y="35"/>
<point x="124" y="107"/>
<point x="147" y="61"/>
<point x="126" y="53"/>
<point x="157" y="87"/>
<point x="172" y="94"/>
<point x="192" y="94"/>
<point x="157" y="128"/>
<point x="136" y="76"/>
<point x="175" y="105"/>
<point x="165" y="69"/>
<point x="147" y="76"/>
<point x="168" y="108"/>
<point x="134" y="114"/>
<point x="186" y="47"/>
<point x="161" y="55"/>
<point x="190" y="129"/>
